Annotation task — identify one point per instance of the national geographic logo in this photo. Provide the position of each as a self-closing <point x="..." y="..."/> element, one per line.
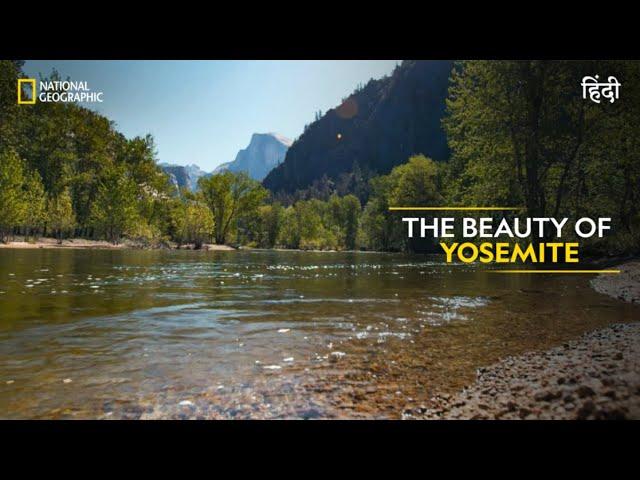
<point x="56" y="91"/>
<point x="26" y="91"/>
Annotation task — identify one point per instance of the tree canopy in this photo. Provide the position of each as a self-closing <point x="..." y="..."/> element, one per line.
<point x="519" y="132"/>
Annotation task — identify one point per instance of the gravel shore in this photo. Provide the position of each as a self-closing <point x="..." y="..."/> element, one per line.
<point x="596" y="376"/>
<point x="625" y="286"/>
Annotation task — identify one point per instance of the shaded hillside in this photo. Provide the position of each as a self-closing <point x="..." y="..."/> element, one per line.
<point x="377" y="127"/>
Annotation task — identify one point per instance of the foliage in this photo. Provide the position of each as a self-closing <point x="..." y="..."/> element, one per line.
<point x="232" y="197"/>
<point x="519" y="133"/>
<point x="13" y="207"/>
<point x="194" y="223"/>
<point x="346" y="217"/>
<point x="268" y="224"/>
<point x="416" y="183"/>
<point x="522" y="135"/>
<point x="60" y="214"/>
<point x="114" y="211"/>
<point x="35" y="199"/>
<point x="68" y="148"/>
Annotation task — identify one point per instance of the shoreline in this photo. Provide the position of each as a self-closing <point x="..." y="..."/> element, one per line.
<point x="625" y="286"/>
<point x="596" y="376"/>
<point x="126" y="244"/>
<point x="83" y="244"/>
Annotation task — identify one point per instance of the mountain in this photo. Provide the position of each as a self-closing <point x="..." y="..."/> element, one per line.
<point x="376" y="128"/>
<point x="265" y="152"/>
<point x="183" y="176"/>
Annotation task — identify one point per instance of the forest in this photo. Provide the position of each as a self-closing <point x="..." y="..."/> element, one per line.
<point x="519" y="133"/>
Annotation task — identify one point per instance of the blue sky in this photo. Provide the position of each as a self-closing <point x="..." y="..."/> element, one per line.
<point x="203" y="112"/>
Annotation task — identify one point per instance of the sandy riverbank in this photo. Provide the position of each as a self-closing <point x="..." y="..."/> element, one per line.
<point x="596" y="376"/>
<point x="80" y="243"/>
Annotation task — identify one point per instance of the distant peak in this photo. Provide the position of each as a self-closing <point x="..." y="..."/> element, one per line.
<point x="280" y="138"/>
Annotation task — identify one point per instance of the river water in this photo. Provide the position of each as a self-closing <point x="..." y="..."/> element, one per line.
<point x="265" y="334"/>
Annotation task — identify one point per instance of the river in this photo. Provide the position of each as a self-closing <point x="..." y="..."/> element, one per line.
<point x="265" y="334"/>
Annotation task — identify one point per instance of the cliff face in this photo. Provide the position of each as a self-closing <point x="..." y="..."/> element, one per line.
<point x="265" y="152"/>
<point x="377" y="127"/>
<point x="183" y="176"/>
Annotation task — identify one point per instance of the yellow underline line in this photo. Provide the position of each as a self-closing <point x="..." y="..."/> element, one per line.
<point x="554" y="271"/>
<point x="455" y="208"/>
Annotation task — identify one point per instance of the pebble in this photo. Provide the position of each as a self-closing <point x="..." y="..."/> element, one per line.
<point x="535" y="385"/>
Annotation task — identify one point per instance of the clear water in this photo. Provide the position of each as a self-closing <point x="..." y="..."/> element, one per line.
<point x="264" y="334"/>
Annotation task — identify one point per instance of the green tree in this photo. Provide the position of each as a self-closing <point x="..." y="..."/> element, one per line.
<point x="10" y="114"/>
<point x="306" y="225"/>
<point x="308" y="222"/>
<point x="273" y="223"/>
<point x="522" y="135"/>
<point x="351" y="217"/>
<point x="375" y="225"/>
<point x="36" y="204"/>
<point x="114" y="210"/>
<point x="290" y="234"/>
<point x="60" y="214"/>
<point x="194" y="224"/>
<point x="416" y="183"/>
<point x="518" y="129"/>
<point x="269" y="224"/>
<point x="12" y="204"/>
<point x="72" y="147"/>
<point x="605" y="182"/>
<point x="232" y="197"/>
<point x="344" y="219"/>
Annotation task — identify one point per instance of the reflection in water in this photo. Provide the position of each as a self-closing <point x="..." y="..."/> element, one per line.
<point x="264" y="334"/>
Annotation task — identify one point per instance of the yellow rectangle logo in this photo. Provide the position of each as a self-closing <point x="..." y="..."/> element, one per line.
<point x="23" y="82"/>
